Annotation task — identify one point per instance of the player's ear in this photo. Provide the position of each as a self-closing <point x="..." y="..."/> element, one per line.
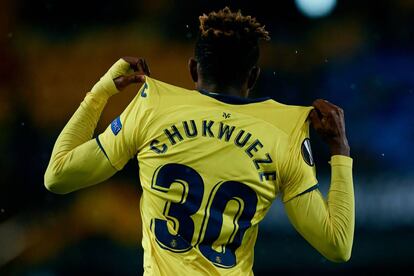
<point x="253" y="76"/>
<point x="192" y="67"/>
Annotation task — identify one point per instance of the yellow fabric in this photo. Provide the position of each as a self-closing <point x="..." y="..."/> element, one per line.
<point x="328" y="225"/>
<point x="106" y="86"/>
<point x="158" y="127"/>
<point x="200" y="179"/>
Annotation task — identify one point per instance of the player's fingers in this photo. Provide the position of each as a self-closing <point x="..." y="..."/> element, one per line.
<point x="137" y="78"/>
<point x="141" y="65"/>
<point x="120" y="83"/>
<point x="133" y="62"/>
<point x="134" y="78"/>
<point x="334" y="106"/>
<point x="138" y="64"/>
<point x="123" y="81"/>
<point x="322" y="107"/>
<point x="145" y="67"/>
<point x="326" y="108"/>
<point x="315" y="120"/>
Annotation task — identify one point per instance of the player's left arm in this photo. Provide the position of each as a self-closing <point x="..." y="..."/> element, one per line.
<point x="327" y="224"/>
<point x="77" y="161"/>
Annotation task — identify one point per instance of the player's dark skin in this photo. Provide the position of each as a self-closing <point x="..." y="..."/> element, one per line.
<point x="326" y="118"/>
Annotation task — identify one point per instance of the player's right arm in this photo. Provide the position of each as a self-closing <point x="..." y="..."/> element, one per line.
<point x="78" y="161"/>
<point x="328" y="225"/>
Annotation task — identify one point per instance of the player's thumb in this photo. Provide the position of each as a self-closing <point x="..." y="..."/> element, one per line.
<point x="123" y="81"/>
<point x="136" y="78"/>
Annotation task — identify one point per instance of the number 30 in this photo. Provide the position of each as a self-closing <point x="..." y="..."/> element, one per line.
<point x="180" y="213"/>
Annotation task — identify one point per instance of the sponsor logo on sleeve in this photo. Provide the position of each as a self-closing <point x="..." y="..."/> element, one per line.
<point x="116" y="125"/>
<point x="307" y="152"/>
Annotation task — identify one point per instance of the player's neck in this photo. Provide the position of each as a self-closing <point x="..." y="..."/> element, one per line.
<point x="224" y="90"/>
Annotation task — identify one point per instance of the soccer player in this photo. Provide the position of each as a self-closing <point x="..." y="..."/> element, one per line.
<point x="212" y="160"/>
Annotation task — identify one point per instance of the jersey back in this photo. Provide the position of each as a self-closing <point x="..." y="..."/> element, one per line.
<point x="210" y="167"/>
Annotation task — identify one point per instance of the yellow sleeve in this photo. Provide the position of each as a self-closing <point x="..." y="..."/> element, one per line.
<point x="76" y="160"/>
<point x="124" y="136"/>
<point x="82" y="167"/>
<point x="328" y="225"/>
<point x="298" y="173"/>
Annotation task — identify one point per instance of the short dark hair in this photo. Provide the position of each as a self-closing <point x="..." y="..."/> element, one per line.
<point x="227" y="46"/>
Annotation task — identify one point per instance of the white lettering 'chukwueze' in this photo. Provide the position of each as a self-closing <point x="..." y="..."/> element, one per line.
<point x="223" y="132"/>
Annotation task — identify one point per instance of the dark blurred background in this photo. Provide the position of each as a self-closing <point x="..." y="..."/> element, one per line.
<point x="357" y="54"/>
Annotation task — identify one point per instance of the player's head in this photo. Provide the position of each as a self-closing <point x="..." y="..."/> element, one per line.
<point x="227" y="50"/>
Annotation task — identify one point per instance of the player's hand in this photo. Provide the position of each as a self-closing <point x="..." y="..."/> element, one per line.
<point x="328" y="121"/>
<point x="122" y="73"/>
<point x="140" y="68"/>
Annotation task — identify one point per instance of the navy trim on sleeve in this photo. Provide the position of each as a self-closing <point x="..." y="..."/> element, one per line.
<point x="101" y="147"/>
<point x="309" y="190"/>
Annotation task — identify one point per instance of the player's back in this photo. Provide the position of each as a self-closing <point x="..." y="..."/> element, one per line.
<point x="210" y="167"/>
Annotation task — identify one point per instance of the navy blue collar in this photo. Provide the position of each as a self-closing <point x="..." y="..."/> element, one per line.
<point x="232" y="99"/>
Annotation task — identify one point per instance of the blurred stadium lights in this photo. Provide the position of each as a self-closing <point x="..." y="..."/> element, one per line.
<point x="315" y="8"/>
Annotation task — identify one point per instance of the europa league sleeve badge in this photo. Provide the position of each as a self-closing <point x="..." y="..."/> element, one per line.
<point x="307" y="152"/>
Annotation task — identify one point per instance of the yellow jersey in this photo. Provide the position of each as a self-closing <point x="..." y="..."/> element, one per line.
<point x="210" y="167"/>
